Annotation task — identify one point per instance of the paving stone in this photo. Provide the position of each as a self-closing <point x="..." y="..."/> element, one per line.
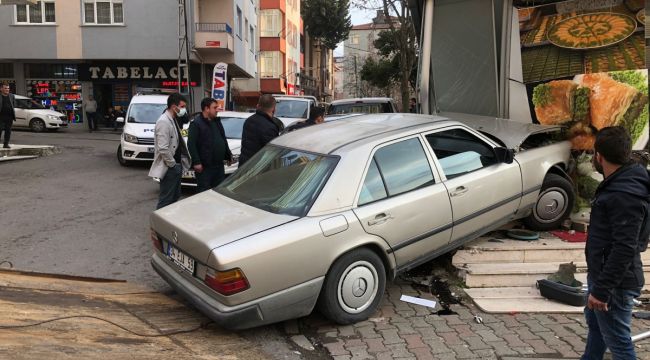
<point x="399" y="350"/>
<point x="346" y="330"/>
<point x="525" y="350"/>
<point x="544" y="319"/>
<point x="447" y="356"/>
<point x="534" y="326"/>
<point x="391" y="337"/>
<point x="453" y="320"/>
<point x="486" y="354"/>
<point x="565" y="350"/>
<point x="414" y="341"/>
<point x="439" y="325"/>
<point x="375" y="345"/>
<point x="303" y="342"/>
<point x="463" y="330"/>
<point x="513" y="340"/>
<point x="437" y="346"/>
<point x="561" y="319"/>
<point x="489" y="318"/>
<point x="360" y="353"/>
<point x="341" y="357"/>
<point x="511" y="321"/>
<point x="427" y="332"/>
<point x="500" y="328"/>
<point x="418" y="322"/>
<point x="451" y="338"/>
<point x="384" y="356"/>
<point x="398" y="319"/>
<point x="326" y="328"/>
<point x="331" y="334"/>
<point x="525" y="334"/>
<point x="422" y="353"/>
<point x="550" y="338"/>
<point x="354" y="343"/>
<point x="501" y="348"/>
<point x="336" y="348"/>
<point x="488" y="335"/>
<point x="476" y="343"/>
<point x="384" y="326"/>
<point x="368" y="332"/>
<point x="463" y="352"/>
<point x="575" y="341"/>
<point x="540" y="347"/>
<point x="363" y="324"/>
<point x="464" y="313"/>
<point x="405" y="328"/>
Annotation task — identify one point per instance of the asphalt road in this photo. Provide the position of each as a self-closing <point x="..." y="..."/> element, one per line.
<point x="81" y="213"/>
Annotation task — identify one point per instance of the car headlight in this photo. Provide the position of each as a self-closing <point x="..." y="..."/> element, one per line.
<point x="130" y="138"/>
<point x="52" y="117"/>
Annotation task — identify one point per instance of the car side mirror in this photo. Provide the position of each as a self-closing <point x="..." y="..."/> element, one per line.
<point x="119" y="119"/>
<point x="505" y="155"/>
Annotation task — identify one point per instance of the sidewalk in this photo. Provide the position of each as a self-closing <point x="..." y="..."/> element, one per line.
<point x="402" y="330"/>
<point x="100" y="319"/>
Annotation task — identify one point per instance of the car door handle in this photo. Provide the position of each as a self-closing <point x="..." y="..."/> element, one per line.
<point x="461" y="190"/>
<point x="380" y="219"/>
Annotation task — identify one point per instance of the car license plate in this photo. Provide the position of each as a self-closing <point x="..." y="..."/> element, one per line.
<point x="151" y="150"/>
<point x="180" y="258"/>
<point x="188" y="174"/>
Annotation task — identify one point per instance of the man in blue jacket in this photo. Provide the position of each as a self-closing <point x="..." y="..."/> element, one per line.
<point x="618" y="233"/>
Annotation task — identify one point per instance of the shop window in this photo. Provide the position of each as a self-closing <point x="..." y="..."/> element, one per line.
<point x="252" y="31"/>
<point x="40" y="13"/>
<point x="6" y="70"/>
<point x="270" y="65"/>
<point x="271" y="23"/>
<point x="103" y="12"/>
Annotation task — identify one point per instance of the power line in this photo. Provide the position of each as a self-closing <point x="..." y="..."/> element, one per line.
<point x="353" y="48"/>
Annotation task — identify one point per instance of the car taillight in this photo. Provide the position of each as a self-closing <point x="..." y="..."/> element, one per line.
<point x="155" y="241"/>
<point x="226" y="282"/>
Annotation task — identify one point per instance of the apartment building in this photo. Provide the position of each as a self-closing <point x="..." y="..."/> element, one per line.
<point x="60" y="51"/>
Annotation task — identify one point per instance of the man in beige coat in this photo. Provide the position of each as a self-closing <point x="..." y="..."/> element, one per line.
<point x="171" y="157"/>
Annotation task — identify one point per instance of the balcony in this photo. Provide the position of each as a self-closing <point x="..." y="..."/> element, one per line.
<point x="214" y="37"/>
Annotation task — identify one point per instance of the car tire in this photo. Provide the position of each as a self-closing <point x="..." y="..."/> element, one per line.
<point x="121" y="158"/>
<point x="353" y="287"/>
<point x="37" y="125"/>
<point x="553" y="205"/>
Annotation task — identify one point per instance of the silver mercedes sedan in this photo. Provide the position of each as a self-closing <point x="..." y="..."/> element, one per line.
<point x="323" y="216"/>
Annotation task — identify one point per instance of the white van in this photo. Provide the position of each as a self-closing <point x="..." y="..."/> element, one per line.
<point x="137" y="142"/>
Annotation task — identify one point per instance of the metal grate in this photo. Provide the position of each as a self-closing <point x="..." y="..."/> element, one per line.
<point x="213" y="27"/>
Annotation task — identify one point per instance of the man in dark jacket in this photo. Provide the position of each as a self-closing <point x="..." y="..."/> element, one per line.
<point x="618" y="232"/>
<point x="208" y="146"/>
<point x="259" y="129"/>
<point x="7" y="112"/>
<point x="316" y="116"/>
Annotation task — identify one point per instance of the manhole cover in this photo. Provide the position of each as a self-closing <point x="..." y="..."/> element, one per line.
<point x="590" y="31"/>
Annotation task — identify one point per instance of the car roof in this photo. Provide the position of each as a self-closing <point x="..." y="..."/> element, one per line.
<point x="235" y="114"/>
<point x="329" y="137"/>
<point x="149" y="99"/>
<point x="362" y="100"/>
<point x="21" y="97"/>
<point x="293" y="98"/>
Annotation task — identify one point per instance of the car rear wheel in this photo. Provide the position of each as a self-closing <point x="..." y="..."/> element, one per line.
<point x="553" y="205"/>
<point x="121" y="158"/>
<point x="37" y="125"/>
<point x="353" y="287"/>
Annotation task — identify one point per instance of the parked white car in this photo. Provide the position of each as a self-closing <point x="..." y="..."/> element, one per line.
<point x="291" y="109"/>
<point x="376" y="105"/>
<point x="33" y="115"/>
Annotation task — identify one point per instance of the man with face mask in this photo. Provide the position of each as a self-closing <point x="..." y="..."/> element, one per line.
<point x="171" y="157"/>
<point x="618" y="233"/>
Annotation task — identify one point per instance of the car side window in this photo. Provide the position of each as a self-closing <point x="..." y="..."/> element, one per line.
<point x="460" y="152"/>
<point x="22" y="104"/>
<point x="373" y="188"/>
<point x="404" y="166"/>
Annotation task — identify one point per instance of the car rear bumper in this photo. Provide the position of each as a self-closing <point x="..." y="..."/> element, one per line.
<point x="286" y="304"/>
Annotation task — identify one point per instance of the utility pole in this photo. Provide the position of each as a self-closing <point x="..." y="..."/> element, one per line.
<point x="184" y="53"/>
<point x="356" y="75"/>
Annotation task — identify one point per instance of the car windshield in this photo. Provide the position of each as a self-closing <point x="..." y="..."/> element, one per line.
<point x="233" y="126"/>
<point x="292" y="109"/>
<point x="145" y="113"/>
<point x="360" y="108"/>
<point x="280" y="180"/>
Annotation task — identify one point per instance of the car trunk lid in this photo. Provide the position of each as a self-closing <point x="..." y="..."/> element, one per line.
<point x="208" y="220"/>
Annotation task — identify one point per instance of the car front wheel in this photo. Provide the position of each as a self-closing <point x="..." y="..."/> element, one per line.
<point x="37" y="125"/>
<point x="353" y="287"/>
<point x="553" y="205"/>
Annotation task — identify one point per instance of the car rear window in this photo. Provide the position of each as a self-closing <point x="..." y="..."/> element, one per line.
<point x="233" y="126"/>
<point x="360" y="108"/>
<point x="280" y="180"/>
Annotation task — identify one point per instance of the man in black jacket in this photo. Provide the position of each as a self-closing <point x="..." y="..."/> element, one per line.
<point x="208" y="146"/>
<point x="316" y="116"/>
<point x="618" y="233"/>
<point x="259" y="129"/>
<point x="7" y="112"/>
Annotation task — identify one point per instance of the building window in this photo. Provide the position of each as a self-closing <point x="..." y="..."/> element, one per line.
<point x="103" y="12"/>
<point x="271" y="23"/>
<point x="354" y="39"/>
<point x="252" y="31"/>
<point x="239" y="25"/>
<point x="270" y="64"/>
<point x="51" y="71"/>
<point x="40" y="13"/>
<point x="6" y="70"/>
<point x="246" y="32"/>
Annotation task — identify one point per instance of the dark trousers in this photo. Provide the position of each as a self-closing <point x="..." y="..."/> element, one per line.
<point x="6" y="127"/>
<point x="170" y="186"/>
<point x="210" y="177"/>
<point x="92" y="121"/>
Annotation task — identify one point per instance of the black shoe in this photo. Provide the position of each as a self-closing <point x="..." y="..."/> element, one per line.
<point x="6" y="146"/>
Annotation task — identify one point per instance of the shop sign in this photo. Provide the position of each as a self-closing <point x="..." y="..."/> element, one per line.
<point x="220" y="85"/>
<point x="153" y="72"/>
<point x="213" y="44"/>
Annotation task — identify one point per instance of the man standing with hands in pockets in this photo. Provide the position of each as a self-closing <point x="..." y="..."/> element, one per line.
<point x="208" y="146"/>
<point x="618" y="233"/>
